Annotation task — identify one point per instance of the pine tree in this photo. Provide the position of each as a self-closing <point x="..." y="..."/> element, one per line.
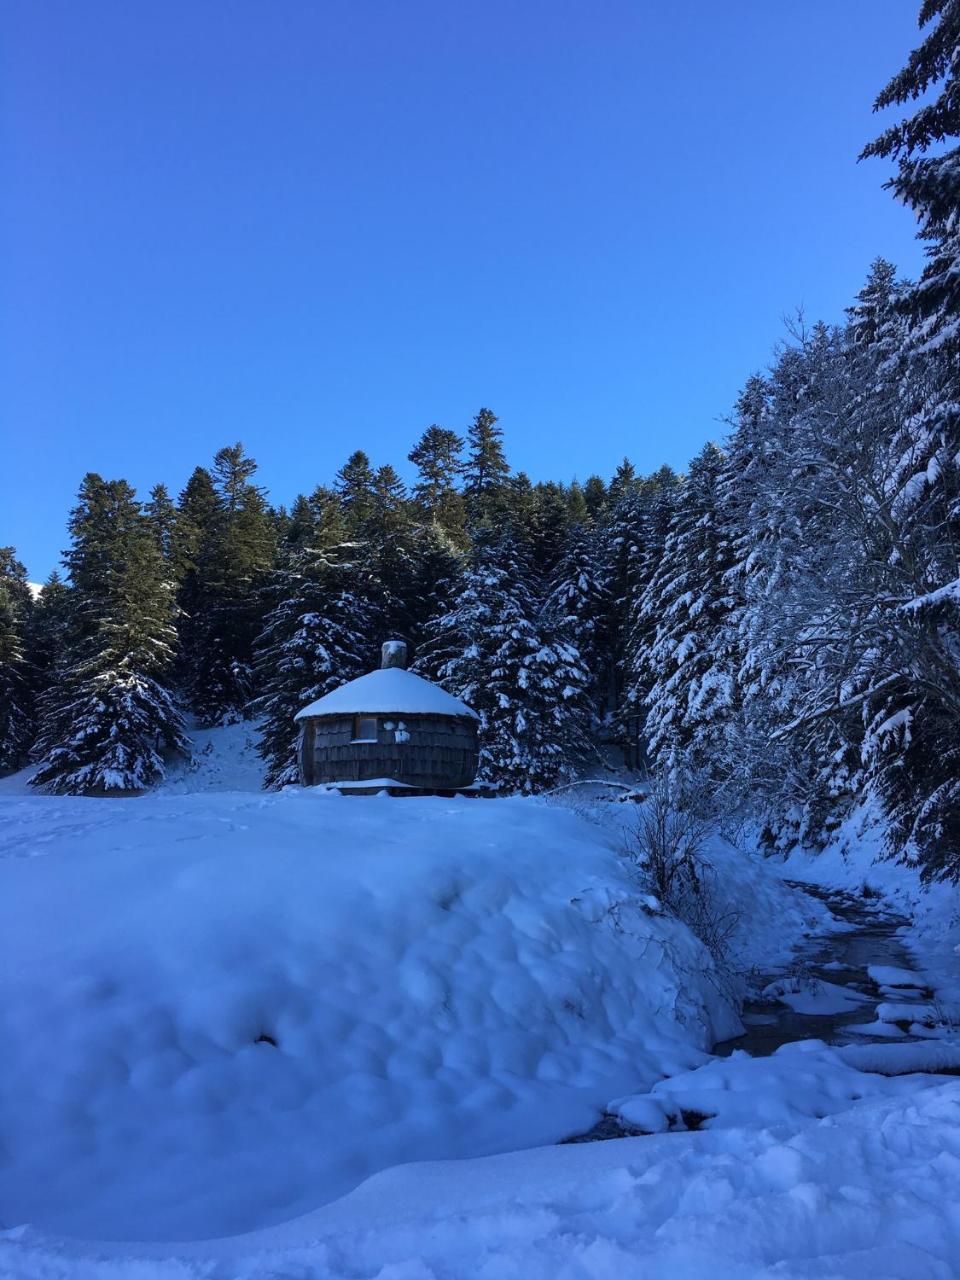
<point x="930" y="184"/>
<point x="386" y="555"/>
<point x="110" y="721"/>
<point x="17" y="712"/>
<point x="578" y="509"/>
<point x="330" y="525"/>
<point x="436" y="566"/>
<point x="195" y="532"/>
<point x="913" y="724"/>
<point x="436" y="456"/>
<point x="316" y="638"/>
<point x="635" y="534"/>
<point x="229" y="538"/>
<point x="577" y="610"/>
<point x="496" y="651"/>
<point x="685" y="607"/>
<point x="161" y="514"/>
<point x="300" y="530"/>
<point x="356" y="487"/>
<point x="485" y="471"/>
<point x="48" y="633"/>
<point x="549" y="527"/>
<point x="595" y="496"/>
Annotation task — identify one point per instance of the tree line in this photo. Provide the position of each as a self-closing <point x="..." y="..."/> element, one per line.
<point x="780" y="625"/>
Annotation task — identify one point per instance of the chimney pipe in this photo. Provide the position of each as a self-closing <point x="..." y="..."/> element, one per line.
<point x="394" y="654"/>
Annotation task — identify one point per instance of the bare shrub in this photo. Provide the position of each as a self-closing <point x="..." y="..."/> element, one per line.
<point x="666" y="842"/>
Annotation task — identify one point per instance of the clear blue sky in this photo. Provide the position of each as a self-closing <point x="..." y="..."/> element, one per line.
<point x="321" y="225"/>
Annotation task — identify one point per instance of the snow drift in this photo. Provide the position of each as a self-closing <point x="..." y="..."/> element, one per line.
<point x="224" y="1010"/>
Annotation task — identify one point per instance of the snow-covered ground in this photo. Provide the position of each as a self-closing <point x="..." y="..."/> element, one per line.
<point x="352" y="1029"/>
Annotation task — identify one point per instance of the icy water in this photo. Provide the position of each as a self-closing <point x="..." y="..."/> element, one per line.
<point x="864" y="935"/>
<point x="869" y="937"/>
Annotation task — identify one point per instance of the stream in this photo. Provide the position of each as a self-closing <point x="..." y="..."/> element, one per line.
<point x="867" y="937"/>
<point x="854" y="985"/>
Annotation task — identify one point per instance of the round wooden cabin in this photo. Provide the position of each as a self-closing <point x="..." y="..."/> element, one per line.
<point x="389" y="730"/>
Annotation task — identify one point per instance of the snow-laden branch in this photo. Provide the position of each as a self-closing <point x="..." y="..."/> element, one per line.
<point x="835" y="708"/>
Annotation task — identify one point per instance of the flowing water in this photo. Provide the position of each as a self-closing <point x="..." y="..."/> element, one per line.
<point x="868" y="937"/>
<point x="865" y="934"/>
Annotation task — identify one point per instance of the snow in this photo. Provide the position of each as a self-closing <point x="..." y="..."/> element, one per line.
<point x="390" y="690"/>
<point x="888" y="975"/>
<point x="443" y="978"/>
<point x="813" y="996"/>
<point x="224" y="758"/>
<point x="869" y="1192"/>
<point x="803" y="1080"/>
<point x="451" y="987"/>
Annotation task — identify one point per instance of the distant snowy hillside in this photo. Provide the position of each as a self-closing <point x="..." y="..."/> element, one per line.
<point x="222" y="1010"/>
<point x="223" y="759"/>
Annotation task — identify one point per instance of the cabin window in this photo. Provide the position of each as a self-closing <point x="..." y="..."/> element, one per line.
<point x="364" y="728"/>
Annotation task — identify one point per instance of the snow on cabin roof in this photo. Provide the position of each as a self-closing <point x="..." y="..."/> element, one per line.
<point x="385" y="691"/>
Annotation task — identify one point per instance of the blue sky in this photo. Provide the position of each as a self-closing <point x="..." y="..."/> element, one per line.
<point x="318" y="226"/>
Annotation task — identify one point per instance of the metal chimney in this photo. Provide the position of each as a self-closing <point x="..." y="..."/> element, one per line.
<point x="393" y="654"/>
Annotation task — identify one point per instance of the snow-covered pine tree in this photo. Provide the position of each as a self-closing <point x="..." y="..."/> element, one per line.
<point x="549" y="527"/>
<point x="929" y="184"/>
<point x="497" y="651"/>
<point x="795" y="560"/>
<point x="316" y="637"/>
<point x="683" y="609"/>
<point x="919" y="779"/>
<point x="17" y="710"/>
<point x="637" y="533"/>
<point x="110" y="721"/>
<point x="577" y="611"/>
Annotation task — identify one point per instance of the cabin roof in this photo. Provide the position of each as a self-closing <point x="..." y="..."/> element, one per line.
<point x="390" y="690"/>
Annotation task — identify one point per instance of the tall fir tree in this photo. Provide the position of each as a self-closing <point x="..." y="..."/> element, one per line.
<point x="356" y="487"/>
<point x="684" y="606"/>
<point x="234" y="542"/>
<point x="49" y="632"/>
<point x="919" y="779"/>
<point x="486" y="470"/>
<point x="161" y="514"/>
<point x="929" y="184"/>
<point x="110" y="721"/>
<point x="436" y="494"/>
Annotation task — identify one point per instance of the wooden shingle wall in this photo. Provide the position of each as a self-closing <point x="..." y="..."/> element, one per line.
<point x="434" y="752"/>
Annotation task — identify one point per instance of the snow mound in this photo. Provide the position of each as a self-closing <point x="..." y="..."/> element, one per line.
<point x="222" y="1010"/>
<point x="390" y="690"/>
<point x="803" y="1080"/>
